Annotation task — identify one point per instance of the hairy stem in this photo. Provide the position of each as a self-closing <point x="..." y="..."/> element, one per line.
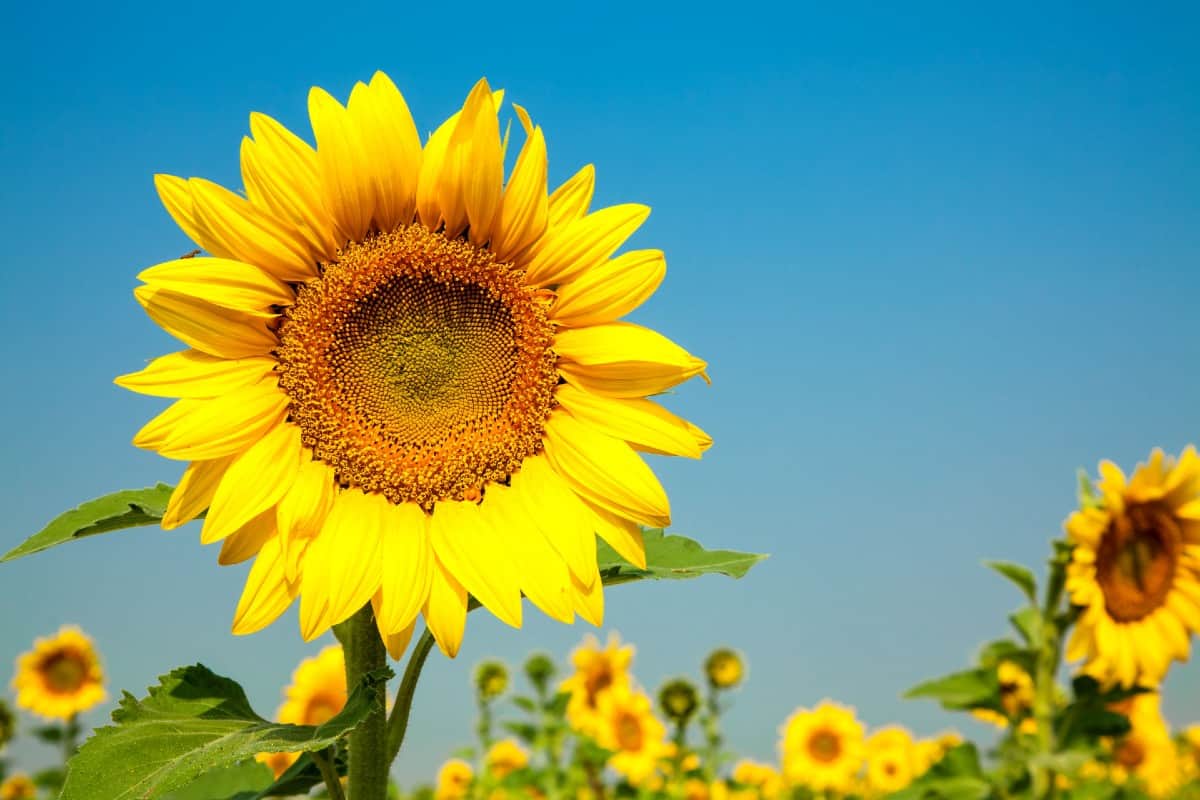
<point x="324" y="761"/>
<point x="365" y="652"/>
<point x="397" y="724"/>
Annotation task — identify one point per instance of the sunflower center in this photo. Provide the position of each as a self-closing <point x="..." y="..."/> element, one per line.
<point x="63" y="673"/>
<point x="629" y="732"/>
<point x="596" y="683"/>
<point x="1136" y="560"/>
<point x="824" y="745"/>
<point x="320" y="710"/>
<point x="418" y="367"/>
<point x="1130" y="753"/>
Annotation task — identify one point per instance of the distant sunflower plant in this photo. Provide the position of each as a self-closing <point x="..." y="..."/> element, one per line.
<point x="406" y="390"/>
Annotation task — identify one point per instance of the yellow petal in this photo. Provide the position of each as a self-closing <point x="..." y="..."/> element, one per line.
<point x="302" y="510"/>
<point x="246" y="541"/>
<point x="606" y="471"/>
<point x="477" y="555"/>
<point x="558" y="513"/>
<point x="524" y="209"/>
<point x="439" y="197"/>
<point x="573" y="199"/>
<point x="222" y="282"/>
<point x="611" y="290"/>
<point x="622" y="535"/>
<point x="176" y="197"/>
<point x="344" y="166"/>
<point x="643" y="423"/>
<point x="589" y="599"/>
<point x="544" y="577"/>
<point x="584" y="244"/>
<point x="251" y="235"/>
<point x="197" y="323"/>
<point x="267" y="593"/>
<point x="254" y="482"/>
<point x="393" y="146"/>
<point x="395" y="643"/>
<point x="192" y="373"/>
<point x="621" y="359"/>
<point x="407" y="567"/>
<point x="446" y="610"/>
<point x="475" y="144"/>
<point x="342" y="564"/>
<point x="194" y="492"/>
<point x="199" y="430"/>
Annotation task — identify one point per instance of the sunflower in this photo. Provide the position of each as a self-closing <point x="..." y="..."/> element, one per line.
<point x="18" y="786"/>
<point x="1146" y="753"/>
<point x="454" y="780"/>
<point x="596" y="671"/>
<point x="930" y="751"/>
<point x="822" y="748"/>
<point x="61" y="676"/>
<point x="1016" y="697"/>
<point x="762" y="777"/>
<point x="725" y="668"/>
<point x="506" y="756"/>
<point x="892" y="760"/>
<point x="406" y="379"/>
<point x="630" y="729"/>
<point x="316" y="694"/>
<point x="1135" y="570"/>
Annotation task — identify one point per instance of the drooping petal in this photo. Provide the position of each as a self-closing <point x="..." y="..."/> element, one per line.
<point x="544" y="577"/>
<point x="192" y="373"/>
<point x="343" y="164"/>
<point x="194" y="491"/>
<point x="589" y="599"/>
<point x="254" y="482"/>
<point x="606" y="471"/>
<point x="267" y="593"/>
<point x="622" y="535"/>
<point x="407" y="567"/>
<point x="342" y="567"/>
<point x="200" y="324"/>
<point x="199" y="430"/>
<point x="302" y="510"/>
<point x="611" y="290"/>
<point x="465" y="540"/>
<point x="623" y="360"/>
<point x="446" y="610"/>
<point x="395" y="643"/>
<point x="558" y="513"/>
<point x="222" y="282"/>
<point x="643" y="423"/>
<point x="246" y="541"/>
<point x="584" y="244"/>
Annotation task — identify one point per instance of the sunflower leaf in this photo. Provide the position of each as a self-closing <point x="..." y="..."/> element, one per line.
<point x="193" y="722"/>
<point x="129" y="508"/>
<point x="1019" y="575"/>
<point x="675" y="557"/>
<point x="967" y="689"/>
<point x="242" y="781"/>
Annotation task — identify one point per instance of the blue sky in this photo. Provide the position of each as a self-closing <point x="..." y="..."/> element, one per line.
<point x="937" y="258"/>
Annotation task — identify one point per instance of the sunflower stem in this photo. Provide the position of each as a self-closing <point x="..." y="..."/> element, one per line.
<point x="324" y="761"/>
<point x="397" y="724"/>
<point x="1049" y="651"/>
<point x="365" y="652"/>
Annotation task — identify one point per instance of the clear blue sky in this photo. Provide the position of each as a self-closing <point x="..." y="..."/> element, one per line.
<point x="937" y="257"/>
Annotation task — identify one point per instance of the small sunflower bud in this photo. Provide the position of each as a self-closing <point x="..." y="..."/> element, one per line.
<point x="724" y="668"/>
<point x="540" y="669"/>
<point x="491" y="679"/>
<point x="679" y="700"/>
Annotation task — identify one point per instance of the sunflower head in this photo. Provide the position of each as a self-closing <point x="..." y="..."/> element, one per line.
<point x="407" y="380"/>
<point x="491" y="680"/>
<point x="454" y="780"/>
<point x="725" y="668"/>
<point x="597" y="670"/>
<point x="278" y="763"/>
<point x="1146" y="754"/>
<point x="540" y="669"/>
<point x="318" y="689"/>
<point x="630" y="730"/>
<point x="678" y="700"/>
<point x="18" y="786"/>
<point x="762" y="777"/>
<point x="891" y="759"/>
<point x="822" y="748"/>
<point x="506" y="756"/>
<point x="1135" y="570"/>
<point x="61" y="676"/>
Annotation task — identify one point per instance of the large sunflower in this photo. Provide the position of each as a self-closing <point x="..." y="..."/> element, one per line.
<point x="61" y="676"/>
<point x="406" y="380"/>
<point x="1136" y="570"/>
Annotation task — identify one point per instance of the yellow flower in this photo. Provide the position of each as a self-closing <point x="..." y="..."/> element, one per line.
<point x="596" y="671"/>
<point x="822" y="748"/>
<point x="630" y="729"/>
<point x="506" y="756"/>
<point x="891" y="760"/>
<point x="1016" y="696"/>
<point x="454" y="780"/>
<point x="930" y="751"/>
<point x="1191" y="741"/>
<point x="61" y="676"/>
<point x="1147" y="752"/>
<point x="725" y="668"/>
<point x="696" y="789"/>
<point x="763" y="777"/>
<point x="1136" y="570"/>
<point x="18" y="786"/>
<point x="317" y="693"/>
<point x="406" y="379"/>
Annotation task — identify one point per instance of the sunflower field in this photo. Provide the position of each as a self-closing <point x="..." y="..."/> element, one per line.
<point x="407" y="392"/>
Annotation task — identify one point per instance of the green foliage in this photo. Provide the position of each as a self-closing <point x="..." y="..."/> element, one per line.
<point x="244" y="781"/>
<point x="1019" y="575"/>
<point x="193" y="722"/>
<point x="129" y="508"/>
<point x="972" y="688"/>
<point x="1028" y="622"/>
<point x="958" y="776"/>
<point x="301" y="777"/>
<point x="671" y="556"/>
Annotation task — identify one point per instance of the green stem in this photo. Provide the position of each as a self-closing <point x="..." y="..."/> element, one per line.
<point x="324" y="761"/>
<point x="1048" y="654"/>
<point x="712" y="734"/>
<point x="365" y="652"/>
<point x="397" y="724"/>
<point x="70" y="738"/>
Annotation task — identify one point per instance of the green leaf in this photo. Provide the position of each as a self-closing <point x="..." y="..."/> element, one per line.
<point x="300" y="777"/>
<point x="523" y="731"/>
<point x="49" y="778"/>
<point x="50" y="734"/>
<point x="1028" y="622"/>
<point x="1019" y="575"/>
<point x="1102" y="722"/>
<point x="673" y="557"/>
<point x="193" y="722"/>
<point x="129" y="508"/>
<point x="960" y="690"/>
<point x="1088" y="497"/>
<point x="525" y="703"/>
<point x="242" y="781"/>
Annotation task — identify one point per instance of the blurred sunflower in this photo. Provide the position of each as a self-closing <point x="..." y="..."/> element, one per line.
<point x="1147" y="752"/>
<point x="506" y="756"/>
<point x="822" y="748"/>
<point x="891" y="760"/>
<point x="454" y="780"/>
<point x="596" y="671"/>
<point x="316" y="694"/>
<point x="406" y="379"/>
<point x="61" y="676"/>
<point x="762" y="777"/>
<point x="1016" y="698"/>
<point x="725" y="668"/>
<point x="1136" y="570"/>
<point x="630" y="729"/>
<point x="18" y="786"/>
